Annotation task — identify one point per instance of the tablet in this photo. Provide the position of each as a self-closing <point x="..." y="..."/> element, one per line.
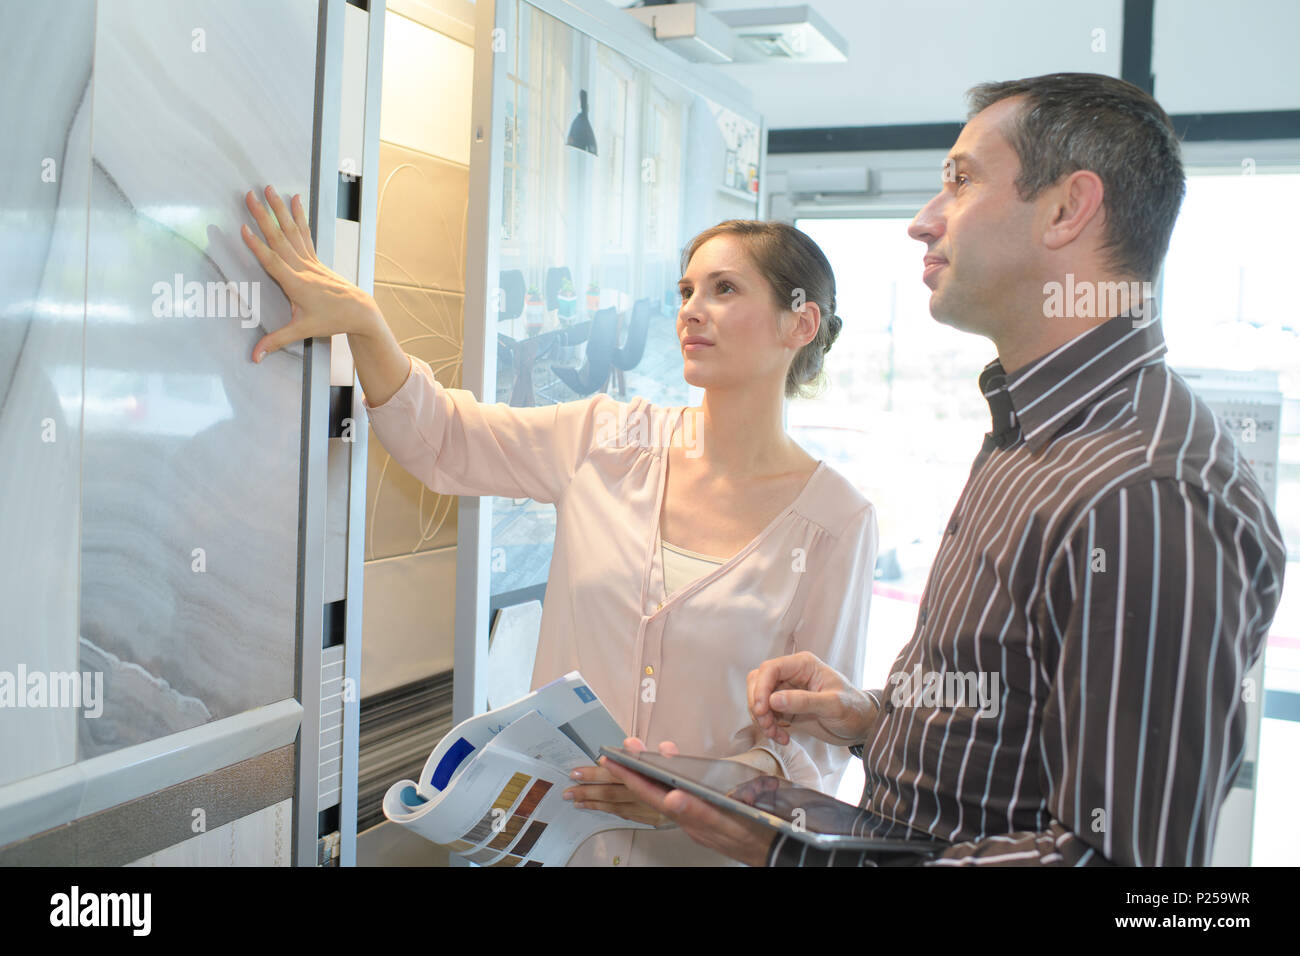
<point x="806" y="815"/>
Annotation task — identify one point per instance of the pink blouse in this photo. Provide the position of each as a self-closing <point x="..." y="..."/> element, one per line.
<point x="668" y="667"/>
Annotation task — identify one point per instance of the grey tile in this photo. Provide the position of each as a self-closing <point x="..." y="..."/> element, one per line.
<point x="46" y="55"/>
<point x="191" y="452"/>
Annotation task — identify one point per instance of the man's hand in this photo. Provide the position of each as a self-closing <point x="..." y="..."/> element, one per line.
<point x="707" y="825"/>
<point x="800" y="691"/>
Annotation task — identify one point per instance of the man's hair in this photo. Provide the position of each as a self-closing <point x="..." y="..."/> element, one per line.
<point x="1072" y="121"/>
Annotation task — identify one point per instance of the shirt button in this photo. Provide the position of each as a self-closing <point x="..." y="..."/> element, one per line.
<point x="617" y="859"/>
<point x="921" y="618"/>
<point x="952" y="525"/>
<point x="649" y="669"/>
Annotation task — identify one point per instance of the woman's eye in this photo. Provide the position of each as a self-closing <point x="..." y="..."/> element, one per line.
<point x="724" y="285"/>
<point x="686" y="294"/>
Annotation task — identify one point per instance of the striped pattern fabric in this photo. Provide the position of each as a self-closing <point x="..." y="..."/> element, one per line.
<point x="1104" y="584"/>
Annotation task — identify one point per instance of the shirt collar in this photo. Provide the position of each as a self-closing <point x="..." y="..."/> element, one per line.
<point x="1037" y="400"/>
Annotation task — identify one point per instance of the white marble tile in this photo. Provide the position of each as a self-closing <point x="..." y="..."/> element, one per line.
<point x="352" y="108"/>
<point x="427" y="83"/>
<point x="37" y="803"/>
<point x="191" y="452"/>
<point x="512" y="652"/>
<point x="131" y="772"/>
<point x="338" y="482"/>
<point x="347" y="239"/>
<point x="45" y="68"/>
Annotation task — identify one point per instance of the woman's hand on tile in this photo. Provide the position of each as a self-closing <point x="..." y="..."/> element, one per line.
<point x="323" y="302"/>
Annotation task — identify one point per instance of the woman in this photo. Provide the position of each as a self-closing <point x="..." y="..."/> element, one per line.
<point x="691" y="543"/>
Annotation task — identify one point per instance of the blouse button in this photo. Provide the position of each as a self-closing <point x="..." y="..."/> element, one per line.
<point x="649" y="669"/>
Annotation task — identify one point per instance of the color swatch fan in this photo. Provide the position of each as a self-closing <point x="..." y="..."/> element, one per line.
<point x="492" y="790"/>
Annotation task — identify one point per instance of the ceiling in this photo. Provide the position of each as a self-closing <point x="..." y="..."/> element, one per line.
<point x="911" y="61"/>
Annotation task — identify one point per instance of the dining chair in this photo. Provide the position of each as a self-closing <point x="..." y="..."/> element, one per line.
<point x="513" y="288"/>
<point x="601" y="344"/>
<point x="629" y="355"/>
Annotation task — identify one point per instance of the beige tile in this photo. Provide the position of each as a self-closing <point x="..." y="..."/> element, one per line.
<point x="420" y="231"/>
<point x="403" y="516"/>
<point x="389" y="844"/>
<point x="409" y="619"/>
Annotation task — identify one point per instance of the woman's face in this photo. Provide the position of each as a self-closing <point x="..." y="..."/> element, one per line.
<point x="731" y="332"/>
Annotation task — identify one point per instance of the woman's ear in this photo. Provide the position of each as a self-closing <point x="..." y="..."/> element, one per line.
<point x="804" y="328"/>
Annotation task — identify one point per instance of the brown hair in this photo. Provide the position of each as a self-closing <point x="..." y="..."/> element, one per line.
<point x="795" y="268"/>
<point x="1073" y="121"/>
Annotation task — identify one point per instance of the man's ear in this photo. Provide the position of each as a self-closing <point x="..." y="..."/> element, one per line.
<point x="1072" y="206"/>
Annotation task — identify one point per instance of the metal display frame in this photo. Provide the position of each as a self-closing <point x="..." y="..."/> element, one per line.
<point x="314" y="460"/>
<point x="316" y="430"/>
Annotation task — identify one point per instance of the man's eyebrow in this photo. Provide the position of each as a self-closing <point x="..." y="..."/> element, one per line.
<point x="965" y="159"/>
<point x="711" y="275"/>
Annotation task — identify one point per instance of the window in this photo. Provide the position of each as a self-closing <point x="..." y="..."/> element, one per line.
<point x="597" y="222"/>
<point x="903" y="389"/>
<point x="1227" y="303"/>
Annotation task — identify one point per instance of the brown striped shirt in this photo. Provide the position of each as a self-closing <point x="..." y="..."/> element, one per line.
<point x="1105" y="583"/>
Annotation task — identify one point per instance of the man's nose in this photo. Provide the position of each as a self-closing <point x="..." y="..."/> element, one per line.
<point x="928" y="224"/>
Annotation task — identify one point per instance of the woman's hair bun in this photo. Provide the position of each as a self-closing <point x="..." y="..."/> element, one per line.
<point x="833" y="325"/>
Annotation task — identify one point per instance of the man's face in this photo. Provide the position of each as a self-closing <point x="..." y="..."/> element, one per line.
<point x="980" y="258"/>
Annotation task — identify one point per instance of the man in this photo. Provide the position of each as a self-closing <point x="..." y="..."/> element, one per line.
<point x="1110" y="570"/>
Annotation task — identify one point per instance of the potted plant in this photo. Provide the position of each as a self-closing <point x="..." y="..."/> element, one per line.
<point x="534" y="311"/>
<point x="593" y="297"/>
<point x="566" y="302"/>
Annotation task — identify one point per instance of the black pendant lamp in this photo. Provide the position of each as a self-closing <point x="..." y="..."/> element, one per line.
<point x="581" y="135"/>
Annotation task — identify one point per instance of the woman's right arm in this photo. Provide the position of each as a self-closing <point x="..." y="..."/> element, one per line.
<point x="457" y="445"/>
<point x="444" y="437"/>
